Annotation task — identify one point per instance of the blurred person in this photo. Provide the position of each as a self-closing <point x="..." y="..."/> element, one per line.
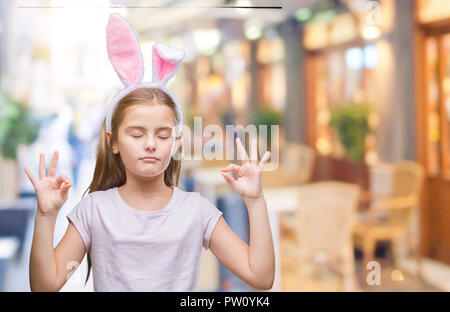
<point x="139" y="230"/>
<point x="82" y="139"/>
<point x="77" y="147"/>
<point x="87" y="132"/>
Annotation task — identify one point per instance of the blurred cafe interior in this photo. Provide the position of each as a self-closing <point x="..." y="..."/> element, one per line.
<point x="360" y="90"/>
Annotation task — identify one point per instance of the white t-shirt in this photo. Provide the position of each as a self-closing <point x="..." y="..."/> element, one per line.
<point x="137" y="250"/>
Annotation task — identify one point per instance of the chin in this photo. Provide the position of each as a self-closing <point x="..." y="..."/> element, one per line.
<point x="150" y="173"/>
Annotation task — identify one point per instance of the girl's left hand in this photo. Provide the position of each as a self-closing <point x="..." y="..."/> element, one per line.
<point x="249" y="182"/>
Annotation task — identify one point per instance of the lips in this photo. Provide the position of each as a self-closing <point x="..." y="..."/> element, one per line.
<point x="149" y="158"/>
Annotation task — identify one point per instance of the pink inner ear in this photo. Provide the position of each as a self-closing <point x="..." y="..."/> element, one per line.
<point x="124" y="51"/>
<point x="163" y="67"/>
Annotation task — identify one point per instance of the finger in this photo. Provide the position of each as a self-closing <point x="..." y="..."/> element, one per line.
<point x="234" y="168"/>
<point x="30" y="176"/>
<point x="254" y="152"/>
<point x="66" y="186"/>
<point x="53" y="163"/>
<point x="241" y="150"/>
<point x="65" y="189"/>
<point x="62" y="178"/>
<point x="42" y="166"/>
<point x="229" y="179"/>
<point x="263" y="160"/>
<point x="231" y="167"/>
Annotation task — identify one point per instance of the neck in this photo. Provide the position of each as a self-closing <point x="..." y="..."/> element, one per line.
<point x="139" y="186"/>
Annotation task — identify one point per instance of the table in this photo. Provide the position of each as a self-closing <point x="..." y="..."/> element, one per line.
<point x="211" y="184"/>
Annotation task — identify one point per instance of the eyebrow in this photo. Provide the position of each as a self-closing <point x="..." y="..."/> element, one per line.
<point x="143" y="128"/>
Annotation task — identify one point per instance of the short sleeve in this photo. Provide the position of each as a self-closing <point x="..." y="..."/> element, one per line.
<point x="81" y="216"/>
<point x="210" y="216"/>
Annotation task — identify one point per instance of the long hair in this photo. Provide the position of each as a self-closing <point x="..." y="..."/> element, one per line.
<point x="109" y="169"/>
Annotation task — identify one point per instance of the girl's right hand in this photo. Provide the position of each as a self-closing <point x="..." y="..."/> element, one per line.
<point x="51" y="192"/>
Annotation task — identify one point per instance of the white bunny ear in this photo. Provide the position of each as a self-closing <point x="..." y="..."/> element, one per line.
<point x="166" y="61"/>
<point x="124" y="51"/>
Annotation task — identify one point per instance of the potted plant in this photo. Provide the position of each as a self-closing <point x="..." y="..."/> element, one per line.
<point x="266" y="116"/>
<point x="16" y="127"/>
<point x="351" y="122"/>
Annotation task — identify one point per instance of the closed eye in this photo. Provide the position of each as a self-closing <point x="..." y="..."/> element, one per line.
<point x="138" y="136"/>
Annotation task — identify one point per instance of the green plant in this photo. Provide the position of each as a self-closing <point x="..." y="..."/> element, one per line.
<point x="16" y="126"/>
<point x="266" y="116"/>
<point x="351" y="122"/>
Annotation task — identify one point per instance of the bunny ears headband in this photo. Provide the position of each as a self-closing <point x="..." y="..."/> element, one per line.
<point x="125" y="55"/>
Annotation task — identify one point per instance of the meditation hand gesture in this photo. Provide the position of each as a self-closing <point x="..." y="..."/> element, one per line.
<point x="51" y="192"/>
<point x="249" y="182"/>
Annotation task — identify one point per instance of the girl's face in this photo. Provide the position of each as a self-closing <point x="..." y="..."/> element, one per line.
<point x="145" y="139"/>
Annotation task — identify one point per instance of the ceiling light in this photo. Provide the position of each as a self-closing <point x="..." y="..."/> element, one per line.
<point x="371" y="32"/>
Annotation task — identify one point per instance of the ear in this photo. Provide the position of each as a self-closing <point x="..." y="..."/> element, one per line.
<point x="166" y="61"/>
<point x="108" y="140"/>
<point x="124" y="51"/>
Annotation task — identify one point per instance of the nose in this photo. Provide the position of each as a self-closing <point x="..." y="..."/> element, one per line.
<point x="150" y="144"/>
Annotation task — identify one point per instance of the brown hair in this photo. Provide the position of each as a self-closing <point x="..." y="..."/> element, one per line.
<point x="109" y="169"/>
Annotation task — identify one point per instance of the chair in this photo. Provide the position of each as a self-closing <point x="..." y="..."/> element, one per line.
<point x="395" y="193"/>
<point x="324" y="221"/>
<point x="298" y="161"/>
<point x="296" y="168"/>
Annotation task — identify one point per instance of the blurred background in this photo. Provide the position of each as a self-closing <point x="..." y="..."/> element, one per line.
<point x="360" y="89"/>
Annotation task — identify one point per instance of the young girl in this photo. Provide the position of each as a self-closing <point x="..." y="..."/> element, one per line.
<point x="139" y="230"/>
